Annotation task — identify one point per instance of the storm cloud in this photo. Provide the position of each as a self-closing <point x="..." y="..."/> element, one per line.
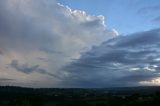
<point x="38" y="37"/>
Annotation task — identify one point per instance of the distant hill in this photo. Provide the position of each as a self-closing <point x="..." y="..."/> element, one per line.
<point x="139" y="89"/>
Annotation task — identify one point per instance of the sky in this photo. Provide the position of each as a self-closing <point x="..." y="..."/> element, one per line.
<point x="79" y="44"/>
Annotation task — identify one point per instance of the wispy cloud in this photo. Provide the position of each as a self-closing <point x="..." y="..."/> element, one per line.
<point x="157" y="19"/>
<point x="148" y="9"/>
<point x="5" y="79"/>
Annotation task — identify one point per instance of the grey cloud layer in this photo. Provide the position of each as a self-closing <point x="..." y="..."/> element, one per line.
<point x="124" y="61"/>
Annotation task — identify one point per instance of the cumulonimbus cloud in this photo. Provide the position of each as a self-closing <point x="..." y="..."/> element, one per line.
<point x="32" y="31"/>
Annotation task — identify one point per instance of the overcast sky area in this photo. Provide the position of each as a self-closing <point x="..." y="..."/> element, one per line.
<point x="85" y="43"/>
